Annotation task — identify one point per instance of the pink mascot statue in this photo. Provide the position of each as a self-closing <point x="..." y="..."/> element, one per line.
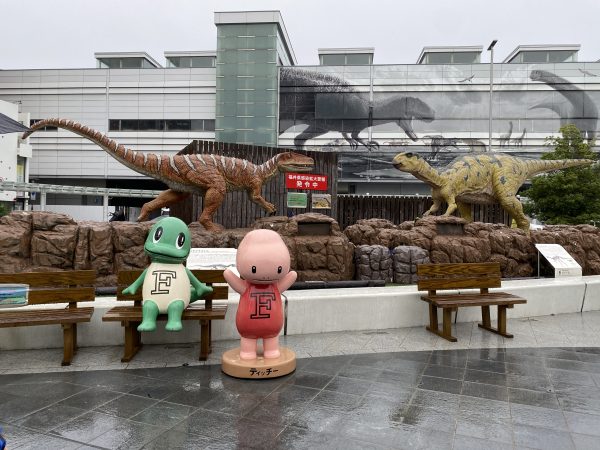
<point x="263" y="262"/>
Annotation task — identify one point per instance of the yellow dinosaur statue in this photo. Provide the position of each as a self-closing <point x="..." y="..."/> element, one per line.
<point x="482" y="178"/>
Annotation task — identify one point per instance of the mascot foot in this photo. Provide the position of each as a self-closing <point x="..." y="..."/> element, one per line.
<point x="149" y="315"/>
<point x="272" y="353"/>
<point x="174" y="312"/>
<point x="247" y="355"/>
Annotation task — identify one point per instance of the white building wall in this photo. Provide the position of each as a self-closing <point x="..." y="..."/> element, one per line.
<point x="8" y="151"/>
<point x="92" y="97"/>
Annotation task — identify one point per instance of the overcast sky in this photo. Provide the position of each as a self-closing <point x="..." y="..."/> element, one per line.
<point x="66" y="33"/>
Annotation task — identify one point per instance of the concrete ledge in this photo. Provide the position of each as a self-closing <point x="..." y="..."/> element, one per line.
<point x="327" y="310"/>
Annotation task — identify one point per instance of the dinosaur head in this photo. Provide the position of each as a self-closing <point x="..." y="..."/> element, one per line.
<point x="408" y="162"/>
<point x="294" y="162"/>
<point x="168" y="241"/>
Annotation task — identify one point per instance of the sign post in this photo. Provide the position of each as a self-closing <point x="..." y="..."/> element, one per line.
<point x="563" y="264"/>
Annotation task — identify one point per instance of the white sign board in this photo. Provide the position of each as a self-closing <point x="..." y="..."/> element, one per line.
<point x="211" y="258"/>
<point x="564" y="265"/>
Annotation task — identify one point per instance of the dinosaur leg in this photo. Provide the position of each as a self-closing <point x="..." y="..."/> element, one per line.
<point x="307" y="134"/>
<point x="256" y="197"/>
<point x="465" y="211"/>
<point x="212" y="200"/>
<point x="514" y="207"/>
<point x="165" y="198"/>
<point x="451" y="200"/>
<point x="437" y="202"/>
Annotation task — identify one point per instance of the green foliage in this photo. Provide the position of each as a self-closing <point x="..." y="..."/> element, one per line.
<point x="3" y="210"/>
<point x="569" y="196"/>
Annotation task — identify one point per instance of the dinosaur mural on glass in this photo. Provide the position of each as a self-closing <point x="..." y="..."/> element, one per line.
<point x="354" y="106"/>
<point x="210" y="176"/>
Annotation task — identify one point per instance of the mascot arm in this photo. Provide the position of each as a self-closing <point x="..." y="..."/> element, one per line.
<point x="199" y="289"/>
<point x="287" y="281"/>
<point x="133" y="287"/>
<point x="236" y="283"/>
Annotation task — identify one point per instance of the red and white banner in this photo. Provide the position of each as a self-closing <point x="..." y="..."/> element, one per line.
<point x="310" y="181"/>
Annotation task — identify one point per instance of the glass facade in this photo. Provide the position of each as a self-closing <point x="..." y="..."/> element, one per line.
<point x="125" y="63"/>
<point x="347" y="59"/>
<point x="191" y="61"/>
<point x="247" y="83"/>
<point x="370" y="113"/>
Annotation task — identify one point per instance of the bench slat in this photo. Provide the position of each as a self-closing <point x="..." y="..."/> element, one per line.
<point x="462" y="300"/>
<point x="19" y="318"/>
<point x="433" y="284"/>
<point x="134" y="314"/>
<point x="55" y="278"/>
<point x="39" y="296"/>
<point x="469" y="269"/>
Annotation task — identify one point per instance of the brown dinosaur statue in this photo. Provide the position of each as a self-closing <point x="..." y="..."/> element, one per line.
<point x="211" y="176"/>
<point x="484" y="178"/>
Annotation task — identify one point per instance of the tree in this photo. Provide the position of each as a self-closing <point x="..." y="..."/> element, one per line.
<point x="568" y="196"/>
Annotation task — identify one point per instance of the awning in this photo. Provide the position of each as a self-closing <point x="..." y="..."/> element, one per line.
<point x="8" y="125"/>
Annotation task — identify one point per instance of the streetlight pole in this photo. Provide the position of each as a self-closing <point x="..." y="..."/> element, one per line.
<point x="491" y="50"/>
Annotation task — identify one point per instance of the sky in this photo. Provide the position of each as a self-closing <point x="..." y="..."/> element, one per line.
<point x="41" y="34"/>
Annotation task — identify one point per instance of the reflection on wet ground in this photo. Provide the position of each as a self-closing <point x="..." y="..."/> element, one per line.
<point x="472" y="398"/>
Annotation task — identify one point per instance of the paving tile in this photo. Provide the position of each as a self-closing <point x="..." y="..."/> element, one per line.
<point x="90" y="398"/>
<point x="499" y="430"/>
<point x="20" y="407"/>
<point x="422" y="417"/>
<point x="323" y="420"/>
<point x="126" y="406"/>
<point x="174" y="439"/>
<point x="442" y="401"/>
<point x="335" y="400"/>
<point x="483" y="407"/>
<point x="583" y="423"/>
<point x="50" y="417"/>
<point x="481" y="376"/>
<point x="585" y="442"/>
<point x="348" y="385"/>
<point x="485" y="391"/>
<point x="289" y="402"/>
<point x="488" y="366"/>
<point x="538" y="417"/>
<point x="163" y="414"/>
<point x="533" y="398"/>
<point x="541" y="438"/>
<point x="455" y="373"/>
<point x="473" y="443"/>
<point x="127" y="435"/>
<point x="440" y="384"/>
<point x="88" y="427"/>
<point x="213" y="425"/>
<point x="310" y="379"/>
<point x="238" y="404"/>
<point x="50" y="443"/>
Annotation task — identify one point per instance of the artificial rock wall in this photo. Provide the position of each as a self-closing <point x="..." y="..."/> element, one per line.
<point x="451" y="239"/>
<point x="44" y="241"/>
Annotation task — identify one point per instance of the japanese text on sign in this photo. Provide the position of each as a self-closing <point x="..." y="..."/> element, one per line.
<point x="314" y="182"/>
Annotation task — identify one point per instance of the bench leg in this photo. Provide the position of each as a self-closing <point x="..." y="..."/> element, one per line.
<point x="75" y="347"/>
<point x="204" y="340"/>
<point x="132" y="341"/>
<point x="68" y="343"/>
<point x="486" y="325"/>
<point x="446" y="332"/>
<point x="433" y="319"/>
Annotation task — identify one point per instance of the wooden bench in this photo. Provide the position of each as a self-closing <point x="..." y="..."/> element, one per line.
<point x="482" y="276"/>
<point x="202" y="310"/>
<point x="50" y="288"/>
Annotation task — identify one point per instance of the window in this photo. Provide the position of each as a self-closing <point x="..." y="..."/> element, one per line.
<point x="161" y="125"/>
<point x="191" y="61"/>
<point x="32" y="121"/>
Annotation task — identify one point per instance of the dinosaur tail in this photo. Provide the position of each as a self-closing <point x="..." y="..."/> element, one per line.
<point x="146" y="164"/>
<point x="535" y="167"/>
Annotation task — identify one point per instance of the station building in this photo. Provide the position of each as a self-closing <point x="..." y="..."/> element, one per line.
<point x="248" y="87"/>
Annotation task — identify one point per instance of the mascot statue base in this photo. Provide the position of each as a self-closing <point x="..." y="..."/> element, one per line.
<point x="263" y="262"/>
<point x="259" y="367"/>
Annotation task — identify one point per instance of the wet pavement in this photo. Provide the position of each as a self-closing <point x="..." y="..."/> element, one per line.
<point x="494" y="398"/>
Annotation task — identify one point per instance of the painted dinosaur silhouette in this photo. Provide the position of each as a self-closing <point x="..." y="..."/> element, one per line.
<point x="483" y="178"/>
<point x="579" y="109"/>
<point x="330" y="94"/>
<point x="211" y="176"/>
